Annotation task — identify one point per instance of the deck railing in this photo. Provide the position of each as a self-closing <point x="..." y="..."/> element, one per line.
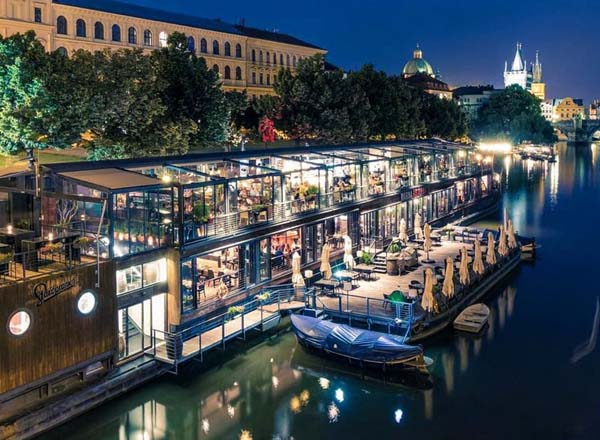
<point x="277" y="295"/>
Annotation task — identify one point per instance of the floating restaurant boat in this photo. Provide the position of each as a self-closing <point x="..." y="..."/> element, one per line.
<point x="473" y="318"/>
<point x="536" y="152"/>
<point x="363" y="347"/>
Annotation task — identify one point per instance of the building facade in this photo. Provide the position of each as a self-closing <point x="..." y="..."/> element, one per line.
<point x="568" y="108"/>
<point x="108" y="261"/>
<point x="547" y="108"/>
<point x="418" y="73"/>
<point x="245" y="58"/>
<point x="472" y="98"/>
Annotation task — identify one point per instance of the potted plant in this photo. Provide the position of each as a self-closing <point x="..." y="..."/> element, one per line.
<point x="311" y="192"/>
<point x="263" y="297"/>
<point x="366" y="258"/>
<point x="258" y="208"/>
<point x="200" y="213"/>
<point x="233" y="311"/>
<point x="5" y="257"/>
<point x="82" y="242"/>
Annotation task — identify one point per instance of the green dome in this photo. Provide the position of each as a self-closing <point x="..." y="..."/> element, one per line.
<point x="417" y="65"/>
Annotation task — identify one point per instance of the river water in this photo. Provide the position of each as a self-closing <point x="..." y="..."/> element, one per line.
<point x="532" y="374"/>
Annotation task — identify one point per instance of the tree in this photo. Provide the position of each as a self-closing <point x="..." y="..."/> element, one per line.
<point x="192" y="96"/>
<point x="443" y="118"/>
<point x="513" y="114"/>
<point x="22" y="93"/>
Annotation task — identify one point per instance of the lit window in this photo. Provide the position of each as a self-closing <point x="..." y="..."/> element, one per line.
<point x="86" y="303"/>
<point x="129" y="279"/>
<point x="19" y="323"/>
<point x="155" y="272"/>
<point x="162" y="39"/>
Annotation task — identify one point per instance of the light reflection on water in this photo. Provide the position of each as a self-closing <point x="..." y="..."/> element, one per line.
<point x="530" y="374"/>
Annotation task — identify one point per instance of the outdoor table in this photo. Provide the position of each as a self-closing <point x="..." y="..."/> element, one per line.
<point x="365" y="270"/>
<point x="14" y="237"/>
<point x="325" y="285"/>
<point x="32" y="247"/>
<point x="347" y="275"/>
<point x="417" y="285"/>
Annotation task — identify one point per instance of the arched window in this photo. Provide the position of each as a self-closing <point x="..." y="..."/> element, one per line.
<point x="132" y="35"/>
<point x="227" y="72"/>
<point x="268" y="79"/>
<point x="98" y="31"/>
<point x="260" y="57"/>
<point x="203" y="46"/>
<point x="61" y="25"/>
<point x="281" y="59"/>
<point x="227" y="49"/>
<point x="287" y="60"/>
<point x="62" y="51"/>
<point x="260" y="78"/>
<point x="80" y="28"/>
<point x="216" y="69"/>
<point x="274" y="58"/>
<point x="238" y="50"/>
<point x="116" y="32"/>
<point x="268" y="57"/>
<point x="294" y="60"/>
<point x="191" y="44"/>
<point x="238" y="73"/>
<point x="253" y="56"/>
<point x="215" y="47"/>
<point x="147" y="37"/>
<point x="253" y="77"/>
<point x="163" y="39"/>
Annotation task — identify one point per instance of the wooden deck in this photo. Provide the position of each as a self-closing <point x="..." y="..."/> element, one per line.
<point x="381" y="284"/>
<point x="217" y="336"/>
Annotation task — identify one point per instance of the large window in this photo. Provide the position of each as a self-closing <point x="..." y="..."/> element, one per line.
<point x="116" y="32"/>
<point x="37" y="15"/>
<point x="238" y="50"/>
<point x="163" y="39"/>
<point x="227" y="72"/>
<point x="80" y="28"/>
<point x="215" y="47"/>
<point x="99" y="31"/>
<point x="238" y="73"/>
<point x="61" y="25"/>
<point x="147" y="37"/>
<point x="203" y="46"/>
<point x="141" y="275"/>
<point x="191" y="44"/>
<point x="132" y="35"/>
<point x="227" y="49"/>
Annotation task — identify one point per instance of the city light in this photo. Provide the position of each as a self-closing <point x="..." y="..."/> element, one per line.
<point x="398" y="415"/>
<point x="339" y="395"/>
<point x="324" y="383"/>
<point x="499" y="147"/>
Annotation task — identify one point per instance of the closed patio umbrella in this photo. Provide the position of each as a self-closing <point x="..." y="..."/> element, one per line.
<point x="427" y="245"/>
<point x="512" y="240"/>
<point x="448" y="286"/>
<point x="297" y="278"/>
<point x="348" y="257"/>
<point x="325" y="266"/>
<point x="502" y="246"/>
<point x="222" y="290"/>
<point x="478" y="266"/>
<point x="403" y="234"/>
<point x="490" y="256"/>
<point x="428" y="301"/>
<point x="463" y="272"/>
<point x="417" y="227"/>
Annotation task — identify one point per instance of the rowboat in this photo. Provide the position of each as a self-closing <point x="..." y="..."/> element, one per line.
<point x="360" y="347"/>
<point x="472" y="319"/>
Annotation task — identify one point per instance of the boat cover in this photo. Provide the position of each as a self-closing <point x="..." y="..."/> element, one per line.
<point x="348" y="341"/>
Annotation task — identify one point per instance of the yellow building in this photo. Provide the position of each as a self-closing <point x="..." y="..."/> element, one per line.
<point x="245" y="58"/>
<point x="568" y="108"/>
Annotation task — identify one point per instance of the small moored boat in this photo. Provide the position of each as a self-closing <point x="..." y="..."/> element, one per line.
<point x="362" y="347"/>
<point x="472" y="319"/>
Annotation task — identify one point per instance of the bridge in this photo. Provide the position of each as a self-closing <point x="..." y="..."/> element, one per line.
<point x="579" y="130"/>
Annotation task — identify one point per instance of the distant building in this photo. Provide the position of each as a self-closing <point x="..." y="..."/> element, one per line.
<point x="418" y="73"/>
<point x="472" y="98"/>
<point x="547" y="108"/>
<point x="529" y="79"/>
<point x="594" y="110"/>
<point x="568" y="108"/>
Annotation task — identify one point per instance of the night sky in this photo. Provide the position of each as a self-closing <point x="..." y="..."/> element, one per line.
<point x="467" y="40"/>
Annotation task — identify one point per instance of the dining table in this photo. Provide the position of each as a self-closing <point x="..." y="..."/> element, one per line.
<point x="327" y="286"/>
<point x="365" y="270"/>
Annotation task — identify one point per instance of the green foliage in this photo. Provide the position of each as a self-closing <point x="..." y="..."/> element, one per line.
<point x="234" y="310"/>
<point x="200" y="212"/>
<point x="394" y="247"/>
<point x="366" y="258"/>
<point x="513" y="114"/>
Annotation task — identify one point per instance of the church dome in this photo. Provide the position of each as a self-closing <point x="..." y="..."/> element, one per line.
<point x="417" y="65"/>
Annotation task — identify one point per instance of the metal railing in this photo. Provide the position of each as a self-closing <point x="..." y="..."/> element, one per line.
<point x="232" y="324"/>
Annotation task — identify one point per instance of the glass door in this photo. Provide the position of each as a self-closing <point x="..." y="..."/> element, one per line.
<point x="137" y="324"/>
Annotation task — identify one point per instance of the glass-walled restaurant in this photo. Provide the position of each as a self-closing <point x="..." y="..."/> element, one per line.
<point x="183" y="202"/>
